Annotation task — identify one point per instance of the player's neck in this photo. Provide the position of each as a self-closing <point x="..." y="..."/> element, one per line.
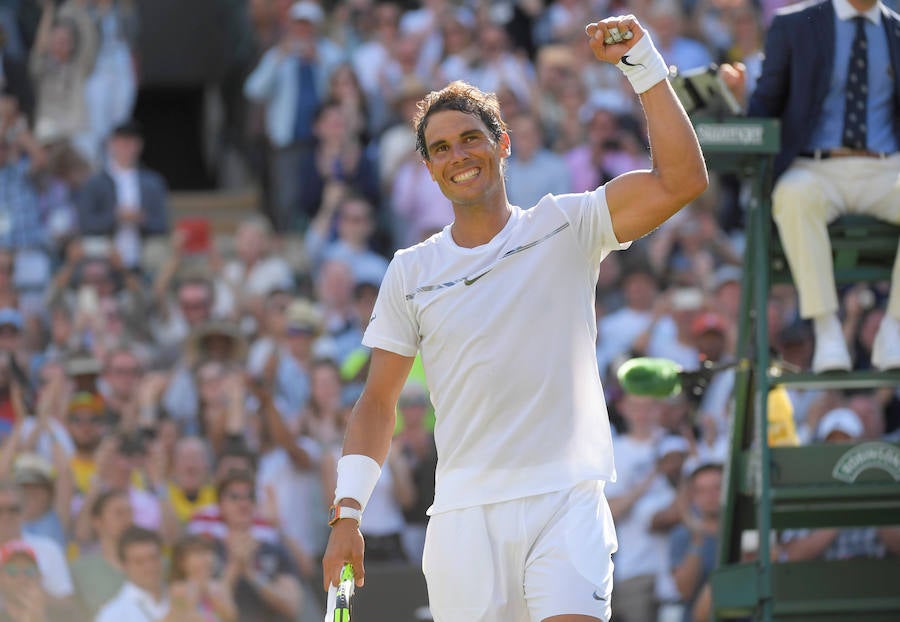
<point x="476" y="225"/>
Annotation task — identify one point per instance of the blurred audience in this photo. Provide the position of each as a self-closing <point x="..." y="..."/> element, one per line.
<point x="533" y="170"/>
<point x="839" y="425"/>
<point x="260" y="573"/>
<point x="193" y="586"/>
<point x="290" y="80"/>
<point x="693" y="543"/>
<point x="174" y="387"/>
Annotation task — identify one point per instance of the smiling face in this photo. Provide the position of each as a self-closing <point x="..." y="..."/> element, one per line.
<point x="142" y="562"/>
<point x="464" y="160"/>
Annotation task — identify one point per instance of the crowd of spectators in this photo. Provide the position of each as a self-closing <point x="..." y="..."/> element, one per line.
<point x="183" y="410"/>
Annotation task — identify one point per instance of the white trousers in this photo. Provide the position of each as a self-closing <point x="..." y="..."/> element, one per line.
<point x="813" y="193"/>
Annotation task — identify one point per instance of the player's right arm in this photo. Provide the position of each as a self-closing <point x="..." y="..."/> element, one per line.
<point x="369" y="433"/>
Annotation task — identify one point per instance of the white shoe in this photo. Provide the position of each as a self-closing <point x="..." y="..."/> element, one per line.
<point x="831" y="352"/>
<point x="886" y="349"/>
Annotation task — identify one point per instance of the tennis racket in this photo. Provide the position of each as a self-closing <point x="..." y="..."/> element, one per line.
<point x="340" y="597"/>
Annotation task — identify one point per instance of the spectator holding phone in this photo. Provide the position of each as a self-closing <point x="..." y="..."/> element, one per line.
<point x="290" y="81"/>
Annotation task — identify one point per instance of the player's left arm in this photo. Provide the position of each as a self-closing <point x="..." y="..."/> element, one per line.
<point x="640" y="201"/>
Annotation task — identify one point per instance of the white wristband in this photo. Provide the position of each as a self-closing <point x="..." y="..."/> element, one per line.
<point x="357" y="475"/>
<point x="643" y="65"/>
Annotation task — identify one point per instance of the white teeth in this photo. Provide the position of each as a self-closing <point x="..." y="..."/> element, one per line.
<point x="466" y="176"/>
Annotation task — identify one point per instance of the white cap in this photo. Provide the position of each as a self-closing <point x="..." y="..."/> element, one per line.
<point x="310" y="11"/>
<point x="726" y="274"/>
<point x="687" y="299"/>
<point x="840" y="420"/>
<point x="672" y="443"/>
<point x="696" y="463"/>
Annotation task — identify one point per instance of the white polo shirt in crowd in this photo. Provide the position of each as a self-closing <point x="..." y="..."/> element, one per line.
<point x="134" y="605"/>
<point x="507" y="332"/>
<point x="51" y="561"/>
<point x="643" y="552"/>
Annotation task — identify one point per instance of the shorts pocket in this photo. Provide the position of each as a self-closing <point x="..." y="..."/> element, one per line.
<point x="591" y="536"/>
<point x="458" y="566"/>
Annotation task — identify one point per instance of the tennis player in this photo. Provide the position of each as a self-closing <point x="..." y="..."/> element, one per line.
<point x="501" y="305"/>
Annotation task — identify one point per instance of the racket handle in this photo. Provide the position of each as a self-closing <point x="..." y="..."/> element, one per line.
<point x="339" y="598"/>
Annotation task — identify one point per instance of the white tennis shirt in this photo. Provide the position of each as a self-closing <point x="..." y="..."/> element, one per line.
<point x="507" y="333"/>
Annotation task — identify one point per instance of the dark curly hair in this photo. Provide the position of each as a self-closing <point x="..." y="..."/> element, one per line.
<point x="461" y="97"/>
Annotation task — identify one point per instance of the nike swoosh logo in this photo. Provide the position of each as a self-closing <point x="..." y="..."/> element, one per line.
<point x="625" y="62"/>
<point x="470" y="281"/>
<point x="598" y="597"/>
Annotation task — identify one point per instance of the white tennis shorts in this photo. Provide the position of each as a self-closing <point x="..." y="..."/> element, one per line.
<point x="523" y="560"/>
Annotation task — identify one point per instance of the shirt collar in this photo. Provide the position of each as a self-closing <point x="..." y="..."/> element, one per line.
<point x="144" y="598"/>
<point x="845" y="11"/>
<point x="116" y="170"/>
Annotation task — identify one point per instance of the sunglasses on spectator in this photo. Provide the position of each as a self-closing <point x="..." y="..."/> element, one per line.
<point x="16" y="571"/>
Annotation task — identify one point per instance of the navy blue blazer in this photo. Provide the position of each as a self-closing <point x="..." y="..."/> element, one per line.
<point x="799" y="58"/>
<point x="96" y="203"/>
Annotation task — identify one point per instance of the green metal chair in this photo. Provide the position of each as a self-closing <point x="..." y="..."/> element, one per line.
<point x="768" y="489"/>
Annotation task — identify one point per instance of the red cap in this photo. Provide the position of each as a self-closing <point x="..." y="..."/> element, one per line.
<point x="16" y="547"/>
<point x="708" y="321"/>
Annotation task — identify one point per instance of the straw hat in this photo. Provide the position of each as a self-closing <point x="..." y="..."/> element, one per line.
<point x="196" y="350"/>
<point x="302" y="315"/>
